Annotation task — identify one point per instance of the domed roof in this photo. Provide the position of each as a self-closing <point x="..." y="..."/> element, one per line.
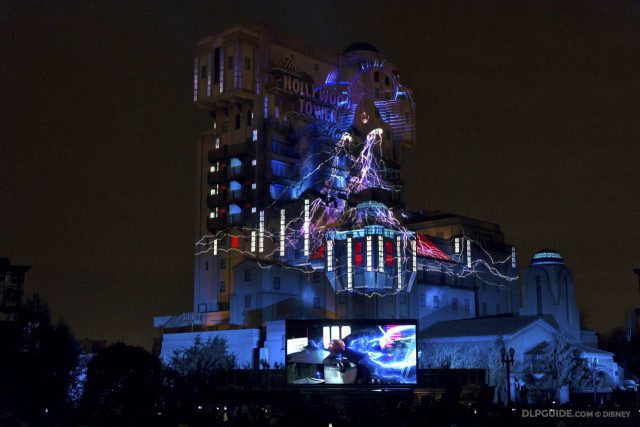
<point x="546" y="256"/>
<point x="354" y="47"/>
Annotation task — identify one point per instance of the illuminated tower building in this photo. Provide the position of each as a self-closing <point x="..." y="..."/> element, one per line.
<point x="299" y="197"/>
<point x="278" y="105"/>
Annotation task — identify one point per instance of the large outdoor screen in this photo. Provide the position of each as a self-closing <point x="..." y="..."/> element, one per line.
<point x="359" y="352"/>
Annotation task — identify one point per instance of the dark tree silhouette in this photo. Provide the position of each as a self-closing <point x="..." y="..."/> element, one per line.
<point x="124" y="382"/>
<point x="36" y="365"/>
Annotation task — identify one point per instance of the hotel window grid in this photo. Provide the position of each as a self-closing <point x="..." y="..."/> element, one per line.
<point x="513" y="257"/>
<point x="381" y="254"/>
<point x="329" y="255"/>
<point x="253" y="241"/>
<point x="282" y="232"/>
<point x="469" y="253"/>
<point x="195" y="79"/>
<point x="221" y="68"/>
<point x="349" y="264"/>
<point x="414" y="255"/>
<point x="215" y="247"/>
<point x="306" y="227"/>
<point x="261" y="235"/>
<point x="209" y="74"/>
<point x="456" y="245"/>
<point x="369" y="254"/>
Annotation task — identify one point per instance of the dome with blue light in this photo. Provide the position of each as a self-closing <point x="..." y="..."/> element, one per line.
<point x="547" y="256"/>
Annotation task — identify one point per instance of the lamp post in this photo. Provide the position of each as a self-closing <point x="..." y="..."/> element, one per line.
<point x="507" y="361"/>
<point x="594" y="367"/>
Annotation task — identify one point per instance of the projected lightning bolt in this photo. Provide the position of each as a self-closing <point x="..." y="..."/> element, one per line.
<point x="392" y="353"/>
<point x="355" y="164"/>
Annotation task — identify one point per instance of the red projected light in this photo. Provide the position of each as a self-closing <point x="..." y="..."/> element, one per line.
<point x="427" y="249"/>
<point x="235" y="242"/>
<point x="358" y="254"/>
<point x="319" y="254"/>
<point x="388" y="249"/>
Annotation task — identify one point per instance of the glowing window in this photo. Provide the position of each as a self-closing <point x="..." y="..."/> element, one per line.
<point x="329" y="255"/>
<point x="253" y="186"/>
<point x="469" y="253"/>
<point x="253" y="162"/>
<point x="215" y="247"/>
<point x="513" y="257"/>
<point x="253" y="209"/>
<point x="456" y="245"/>
<point x="217" y="145"/>
<point x="255" y="134"/>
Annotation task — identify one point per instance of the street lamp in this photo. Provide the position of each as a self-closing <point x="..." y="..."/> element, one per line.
<point x="507" y="361"/>
<point x="594" y="367"/>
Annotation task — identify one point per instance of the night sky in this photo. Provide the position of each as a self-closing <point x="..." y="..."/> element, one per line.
<point x="528" y="116"/>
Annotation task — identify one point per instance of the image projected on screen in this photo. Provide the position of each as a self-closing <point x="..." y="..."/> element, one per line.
<point x="351" y="352"/>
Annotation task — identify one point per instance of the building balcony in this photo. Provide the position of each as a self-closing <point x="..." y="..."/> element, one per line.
<point x="239" y="196"/>
<point x="238" y="172"/>
<point x="214" y="224"/>
<point x="217" y="177"/>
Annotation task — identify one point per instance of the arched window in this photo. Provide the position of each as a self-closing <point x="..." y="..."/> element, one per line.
<point x="237" y="121"/>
